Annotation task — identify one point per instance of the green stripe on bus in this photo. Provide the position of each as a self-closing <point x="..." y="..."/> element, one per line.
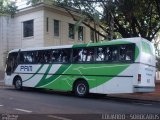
<point x="102" y="43"/>
<point x="45" y="81"/>
<point x="65" y="83"/>
<point x="97" y="69"/>
<point x="79" y="45"/>
<point x="108" y="43"/>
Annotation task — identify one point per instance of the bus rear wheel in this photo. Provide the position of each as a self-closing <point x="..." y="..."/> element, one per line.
<point x="81" y="88"/>
<point x="18" y="83"/>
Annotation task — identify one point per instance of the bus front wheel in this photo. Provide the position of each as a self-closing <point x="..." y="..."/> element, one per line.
<point x="81" y="88"/>
<point x="18" y="83"/>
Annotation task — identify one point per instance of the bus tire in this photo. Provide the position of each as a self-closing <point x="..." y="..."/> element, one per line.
<point x="81" y="88"/>
<point x="18" y="83"/>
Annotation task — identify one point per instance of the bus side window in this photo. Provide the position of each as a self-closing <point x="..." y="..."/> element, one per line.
<point x="126" y="53"/>
<point x="47" y="56"/>
<point x="65" y="55"/>
<point x="83" y="55"/>
<point x="27" y="57"/>
<point x="21" y="57"/>
<point x="100" y="54"/>
<point x="90" y="54"/>
<point x="108" y="56"/>
<point x="129" y="52"/>
<point x="77" y="55"/>
<point x="41" y="56"/>
<point x="36" y="57"/>
<point x="114" y="53"/>
<point x="52" y="56"/>
<point x="56" y="56"/>
<point x="32" y="57"/>
<point x="122" y="53"/>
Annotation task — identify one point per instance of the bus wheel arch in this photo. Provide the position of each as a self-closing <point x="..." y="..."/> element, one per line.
<point x="17" y="82"/>
<point x="80" y="87"/>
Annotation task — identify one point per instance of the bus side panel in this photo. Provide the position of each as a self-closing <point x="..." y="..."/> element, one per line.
<point x="148" y="76"/>
<point x="32" y="74"/>
<point x="95" y="74"/>
<point x="56" y="78"/>
<point x="122" y="83"/>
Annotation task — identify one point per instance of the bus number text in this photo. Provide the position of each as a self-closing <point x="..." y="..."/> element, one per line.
<point x="26" y="68"/>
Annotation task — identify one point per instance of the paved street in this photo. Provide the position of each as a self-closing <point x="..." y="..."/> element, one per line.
<point x="49" y="102"/>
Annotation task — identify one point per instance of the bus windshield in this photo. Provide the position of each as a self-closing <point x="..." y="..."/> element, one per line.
<point x="12" y="63"/>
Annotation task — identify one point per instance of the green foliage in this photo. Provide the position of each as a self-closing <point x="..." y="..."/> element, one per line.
<point x="78" y="23"/>
<point x="7" y="7"/>
<point x="125" y="18"/>
<point x="33" y="2"/>
<point x="135" y="18"/>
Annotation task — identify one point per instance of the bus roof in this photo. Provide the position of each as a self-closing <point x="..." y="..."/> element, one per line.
<point x="42" y="48"/>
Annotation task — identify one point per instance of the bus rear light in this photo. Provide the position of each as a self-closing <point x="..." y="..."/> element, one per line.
<point x="139" y="77"/>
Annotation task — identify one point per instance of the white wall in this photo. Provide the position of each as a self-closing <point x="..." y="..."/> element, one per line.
<point x="18" y="41"/>
<point x="63" y="39"/>
<point x="4" y="28"/>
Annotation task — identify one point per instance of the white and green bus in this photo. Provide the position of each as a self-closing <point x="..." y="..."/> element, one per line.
<point x="117" y="66"/>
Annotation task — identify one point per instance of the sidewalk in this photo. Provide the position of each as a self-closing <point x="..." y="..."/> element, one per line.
<point x="154" y="96"/>
<point x="1" y="82"/>
<point x="1" y="78"/>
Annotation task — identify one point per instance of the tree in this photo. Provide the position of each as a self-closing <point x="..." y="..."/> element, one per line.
<point x="7" y="7"/>
<point x="156" y="42"/>
<point x="120" y="18"/>
<point x="158" y="63"/>
<point x="135" y="18"/>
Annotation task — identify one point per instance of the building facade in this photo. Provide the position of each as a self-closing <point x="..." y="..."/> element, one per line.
<point x="4" y="37"/>
<point x="39" y="26"/>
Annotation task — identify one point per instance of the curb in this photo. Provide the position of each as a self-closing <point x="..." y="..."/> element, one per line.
<point x="1" y="82"/>
<point x="132" y="100"/>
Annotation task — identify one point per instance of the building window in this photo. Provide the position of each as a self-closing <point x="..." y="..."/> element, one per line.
<point x="80" y="33"/>
<point x="47" y="24"/>
<point x="56" y="27"/>
<point x="71" y="31"/>
<point x="28" y="28"/>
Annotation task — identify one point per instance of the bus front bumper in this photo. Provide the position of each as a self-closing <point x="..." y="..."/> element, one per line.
<point x="8" y="81"/>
